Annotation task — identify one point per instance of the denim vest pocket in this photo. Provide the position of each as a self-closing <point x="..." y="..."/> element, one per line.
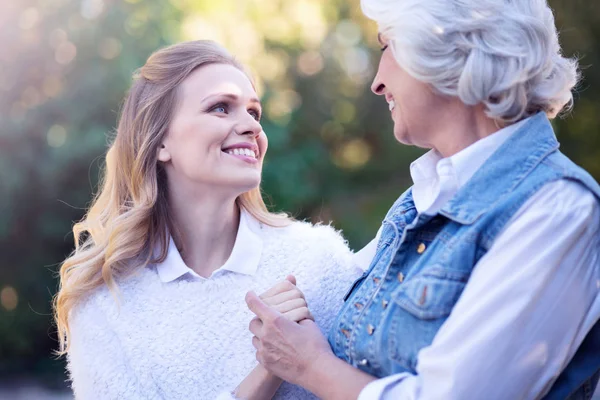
<point x="418" y="309"/>
<point x="432" y="293"/>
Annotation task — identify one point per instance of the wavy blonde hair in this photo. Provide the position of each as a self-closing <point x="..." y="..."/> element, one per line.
<point x="129" y="216"/>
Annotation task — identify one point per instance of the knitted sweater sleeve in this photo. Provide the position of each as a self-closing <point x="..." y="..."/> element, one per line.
<point x="337" y="270"/>
<point x="97" y="366"/>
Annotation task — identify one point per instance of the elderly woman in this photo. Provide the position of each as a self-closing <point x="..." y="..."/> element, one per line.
<point x="484" y="280"/>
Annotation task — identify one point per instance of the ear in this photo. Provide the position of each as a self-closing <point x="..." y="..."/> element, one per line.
<point x="163" y="153"/>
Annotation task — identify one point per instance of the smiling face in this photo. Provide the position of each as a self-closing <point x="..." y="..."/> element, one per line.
<point x="417" y="111"/>
<point x="215" y="143"/>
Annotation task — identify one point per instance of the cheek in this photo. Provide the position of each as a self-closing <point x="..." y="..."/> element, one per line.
<point x="263" y="143"/>
<point x="388" y="68"/>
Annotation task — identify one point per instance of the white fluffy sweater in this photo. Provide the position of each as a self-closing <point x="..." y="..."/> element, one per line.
<point x="189" y="339"/>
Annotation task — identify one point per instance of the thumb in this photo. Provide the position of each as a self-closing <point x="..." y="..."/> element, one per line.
<point x="258" y="307"/>
<point x="291" y="278"/>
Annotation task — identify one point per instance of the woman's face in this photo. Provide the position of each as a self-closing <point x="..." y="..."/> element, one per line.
<point x="415" y="109"/>
<point x="215" y="143"/>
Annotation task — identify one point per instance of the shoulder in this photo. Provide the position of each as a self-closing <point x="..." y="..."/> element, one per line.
<point x="303" y="242"/>
<point x="307" y="234"/>
<point x="563" y="197"/>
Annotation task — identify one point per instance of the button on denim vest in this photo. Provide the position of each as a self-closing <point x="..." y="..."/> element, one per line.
<point x="423" y="263"/>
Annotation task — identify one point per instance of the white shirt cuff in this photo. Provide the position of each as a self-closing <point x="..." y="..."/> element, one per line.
<point x="377" y="389"/>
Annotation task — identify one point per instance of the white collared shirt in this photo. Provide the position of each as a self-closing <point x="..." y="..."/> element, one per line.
<point x="530" y="300"/>
<point x="244" y="257"/>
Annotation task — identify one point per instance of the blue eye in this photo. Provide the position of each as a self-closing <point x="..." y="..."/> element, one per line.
<point x="220" y="108"/>
<point x="255" y="114"/>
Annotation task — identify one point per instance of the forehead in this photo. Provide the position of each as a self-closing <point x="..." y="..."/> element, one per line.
<point x="217" y="78"/>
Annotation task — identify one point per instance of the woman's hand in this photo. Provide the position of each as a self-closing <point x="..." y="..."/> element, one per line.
<point x="288" y="300"/>
<point x="286" y="349"/>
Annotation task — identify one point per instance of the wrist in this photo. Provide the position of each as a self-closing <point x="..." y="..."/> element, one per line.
<point x="265" y="375"/>
<point x="316" y="374"/>
<point x="333" y="379"/>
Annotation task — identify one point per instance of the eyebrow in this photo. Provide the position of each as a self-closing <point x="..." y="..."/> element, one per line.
<point x="231" y="96"/>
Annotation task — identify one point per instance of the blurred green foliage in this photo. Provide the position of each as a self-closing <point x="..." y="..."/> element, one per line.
<point x="65" y="66"/>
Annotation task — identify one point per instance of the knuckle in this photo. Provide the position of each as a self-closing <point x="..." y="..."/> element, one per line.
<point x="288" y="285"/>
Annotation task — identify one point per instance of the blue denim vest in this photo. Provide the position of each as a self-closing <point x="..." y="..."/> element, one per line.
<point x="422" y="263"/>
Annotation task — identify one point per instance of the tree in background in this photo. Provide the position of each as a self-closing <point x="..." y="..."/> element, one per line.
<point x="66" y="65"/>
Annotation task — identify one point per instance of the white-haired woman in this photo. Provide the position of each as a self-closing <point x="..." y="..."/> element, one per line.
<point x="178" y="234"/>
<point x="484" y="280"/>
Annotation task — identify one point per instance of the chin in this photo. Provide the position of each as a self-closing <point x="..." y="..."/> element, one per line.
<point x="402" y="137"/>
<point x="246" y="184"/>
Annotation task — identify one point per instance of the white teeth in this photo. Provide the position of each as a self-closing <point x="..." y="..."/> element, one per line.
<point x="392" y="104"/>
<point x="242" y="152"/>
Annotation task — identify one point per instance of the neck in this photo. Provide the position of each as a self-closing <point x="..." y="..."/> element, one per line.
<point x="462" y="127"/>
<point x="205" y="230"/>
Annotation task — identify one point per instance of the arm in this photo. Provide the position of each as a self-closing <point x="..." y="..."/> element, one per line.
<point x="525" y="310"/>
<point x="97" y="365"/>
<point x="528" y="305"/>
<point x="289" y="301"/>
<point x="300" y="354"/>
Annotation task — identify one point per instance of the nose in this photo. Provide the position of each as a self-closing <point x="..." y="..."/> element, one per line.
<point x="377" y="86"/>
<point x="248" y="126"/>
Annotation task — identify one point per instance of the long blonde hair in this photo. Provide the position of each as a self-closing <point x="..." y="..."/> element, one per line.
<point x="129" y="216"/>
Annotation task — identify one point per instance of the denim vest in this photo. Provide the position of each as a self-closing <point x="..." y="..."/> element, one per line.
<point x="423" y="263"/>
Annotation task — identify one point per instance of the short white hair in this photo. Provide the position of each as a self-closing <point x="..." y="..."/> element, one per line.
<point x="501" y="53"/>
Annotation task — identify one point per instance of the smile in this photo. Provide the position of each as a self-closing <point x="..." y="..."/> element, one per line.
<point x="247" y="152"/>
<point x="391" y="104"/>
<point x="242" y="152"/>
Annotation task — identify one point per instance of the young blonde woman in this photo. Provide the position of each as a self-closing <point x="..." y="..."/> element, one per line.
<point x="151" y="303"/>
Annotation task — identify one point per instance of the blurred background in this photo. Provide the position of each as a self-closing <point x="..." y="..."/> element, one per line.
<point x="65" y="66"/>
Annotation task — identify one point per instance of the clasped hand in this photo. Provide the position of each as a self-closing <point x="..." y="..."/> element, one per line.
<point x="288" y="343"/>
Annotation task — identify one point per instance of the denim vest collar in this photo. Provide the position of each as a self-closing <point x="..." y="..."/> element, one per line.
<point x="507" y="172"/>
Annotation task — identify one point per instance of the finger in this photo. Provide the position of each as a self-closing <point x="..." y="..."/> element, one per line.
<point x="298" y="314"/>
<point x="255" y="326"/>
<point x="278" y="288"/>
<point x="307" y="322"/>
<point x="259" y="308"/>
<point x="283" y="297"/>
<point x="290" y="305"/>
<point x="291" y="278"/>
<point x="256" y="342"/>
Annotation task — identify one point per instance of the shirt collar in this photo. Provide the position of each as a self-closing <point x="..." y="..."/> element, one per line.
<point x="244" y="257"/>
<point x="437" y="179"/>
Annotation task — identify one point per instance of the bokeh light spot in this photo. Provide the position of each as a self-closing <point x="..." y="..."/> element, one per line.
<point x="29" y="18"/>
<point x="352" y="155"/>
<point x="347" y="33"/>
<point x="31" y="97"/>
<point x="344" y="111"/>
<point x="9" y="298"/>
<point x="272" y="65"/>
<point x="65" y="53"/>
<point x="57" y="136"/>
<point x="52" y="86"/>
<point x="110" y="48"/>
<point x="281" y="105"/>
<point x="310" y="63"/>
<point x="91" y="9"/>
